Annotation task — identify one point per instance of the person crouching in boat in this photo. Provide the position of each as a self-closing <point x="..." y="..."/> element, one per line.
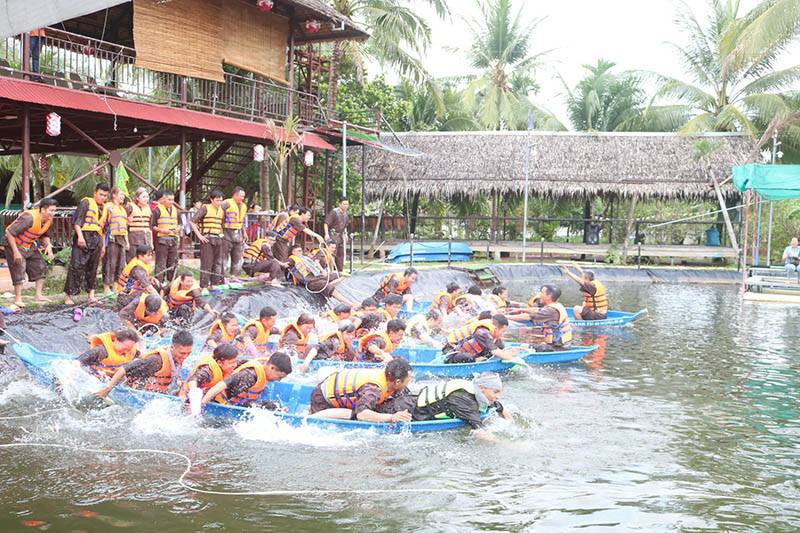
<point x="445" y="301"/>
<point x="358" y="394"/>
<point x="499" y="299"/>
<point x="184" y="296"/>
<point x="295" y="335"/>
<point x="225" y="329"/>
<point x="255" y="333"/>
<point x="391" y="307"/>
<point x="109" y="351"/>
<point x="595" y="299"/>
<point x="368" y="323"/>
<point x="472" y="303"/>
<point x="378" y="346"/>
<point x="478" y="340"/>
<point x="155" y="371"/>
<point x="245" y="384"/>
<point x="421" y="328"/>
<point x="210" y="370"/>
<point x="336" y="345"/>
<point x="399" y="284"/>
<point x="148" y="311"/>
<point x="463" y="399"/>
<point x="552" y="318"/>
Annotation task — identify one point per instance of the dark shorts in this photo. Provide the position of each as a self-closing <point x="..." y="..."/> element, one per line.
<point x="32" y="264"/>
<point x="590" y="314"/>
<point x="318" y="402"/>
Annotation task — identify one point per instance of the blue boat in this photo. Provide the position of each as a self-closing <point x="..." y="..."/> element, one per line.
<point x="427" y="361"/>
<point x="430" y="252"/>
<point x="295" y="397"/>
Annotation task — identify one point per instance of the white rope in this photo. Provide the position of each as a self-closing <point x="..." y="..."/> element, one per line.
<point x="649" y="226"/>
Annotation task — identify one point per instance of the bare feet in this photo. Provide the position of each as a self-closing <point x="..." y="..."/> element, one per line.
<point x="42" y="300"/>
<point x="69" y="301"/>
<point x="19" y="303"/>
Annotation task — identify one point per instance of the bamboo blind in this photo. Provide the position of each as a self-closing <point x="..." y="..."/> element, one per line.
<point x="180" y="37"/>
<point x="253" y="40"/>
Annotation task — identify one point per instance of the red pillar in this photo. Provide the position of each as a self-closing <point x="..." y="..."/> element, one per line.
<point x="26" y="155"/>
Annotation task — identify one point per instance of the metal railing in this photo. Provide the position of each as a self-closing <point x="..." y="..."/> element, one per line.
<point x="82" y="63"/>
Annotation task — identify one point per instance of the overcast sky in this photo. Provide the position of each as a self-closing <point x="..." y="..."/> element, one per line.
<point x="632" y="33"/>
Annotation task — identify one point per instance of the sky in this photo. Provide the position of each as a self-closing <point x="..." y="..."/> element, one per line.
<point x="632" y="33"/>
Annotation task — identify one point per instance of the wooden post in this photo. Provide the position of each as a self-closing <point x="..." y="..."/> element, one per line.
<point x="747" y="196"/>
<point x="195" y="167"/>
<point x="629" y="225"/>
<point x="26" y="55"/>
<point x="290" y="74"/>
<point x="493" y="224"/>
<point x="182" y="183"/>
<point x="725" y="215"/>
<point x="26" y="155"/>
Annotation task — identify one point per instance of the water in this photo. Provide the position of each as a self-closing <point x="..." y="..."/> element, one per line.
<point x="688" y="420"/>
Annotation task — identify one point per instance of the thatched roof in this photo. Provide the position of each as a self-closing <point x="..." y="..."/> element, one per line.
<point x="562" y="164"/>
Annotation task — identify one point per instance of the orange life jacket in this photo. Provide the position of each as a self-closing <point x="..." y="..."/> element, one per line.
<point x="341" y="388"/>
<point x="113" y="360"/>
<point x="262" y="336"/>
<point x="250" y="395"/>
<point x="342" y="349"/>
<point x="437" y="301"/>
<point x="167" y="221"/>
<point x="463" y="338"/>
<point x="141" y="313"/>
<point x="560" y="333"/>
<point x="178" y="296"/>
<point x="218" y="325"/>
<point x="597" y="301"/>
<point x="301" y="346"/>
<point x="253" y="251"/>
<point x="29" y="238"/>
<point x="161" y="380"/>
<point x="216" y="375"/>
<point x="126" y="283"/>
<point x="363" y="341"/>
<point x="402" y="284"/>
<point x="118" y="220"/>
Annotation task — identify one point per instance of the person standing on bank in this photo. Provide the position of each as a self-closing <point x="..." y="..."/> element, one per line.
<point x="235" y="211"/>
<point x="88" y="244"/>
<point x="165" y="223"/>
<point x="207" y="226"/>
<point x="139" y="215"/>
<point x="26" y="238"/>
<point x="117" y="249"/>
<point x="336" y="230"/>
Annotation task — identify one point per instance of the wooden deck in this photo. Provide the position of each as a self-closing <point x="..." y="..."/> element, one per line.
<point x="535" y="251"/>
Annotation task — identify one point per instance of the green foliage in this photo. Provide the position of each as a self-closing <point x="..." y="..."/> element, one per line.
<point x="359" y="101"/>
<point x="614" y="256"/>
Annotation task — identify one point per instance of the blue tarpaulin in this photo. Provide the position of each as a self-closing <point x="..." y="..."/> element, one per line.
<point x="771" y="182"/>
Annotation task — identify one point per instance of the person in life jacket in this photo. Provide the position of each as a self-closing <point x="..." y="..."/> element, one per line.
<point x="368" y="323"/>
<point x="421" y="328"/>
<point x="167" y="229"/>
<point x="477" y="340"/>
<point x="139" y="217"/>
<point x="335" y="226"/>
<point x="399" y="284"/>
<point x="118" y="244"/>
<point x="295" y="335"/>
<point x="471" y="303"/>
<point x="256" y="333"/>
<point x="259" y="259"/>
<point x="368" y="305"/>
<point x="338" y="314"/>
<point x="207" y="227"/>
<point x="595" y="299"/>
<point x="445" y="301"/>
<point x="552" y="319"/>
<point x="391" y="306"/>
<point x="359" y="394"/>
<point x="233" y="229"/>
<point x="378" y="345"/>
<point x="109" y="351"/>
<point x="26" y="238"/>
<point x="463" y="399"/>
<point x="291" y="228"/>
<point x="135" y="279"/>
<point x="499" y="299"/>
<point x="147" y="310"/>
<point x="210" y="370"/>
<point x="88" y="244"/>
<point x="304" y="271"/>
<point x="337" y="345"/>
<point x="155" y="371"/>
<point x="184" y="296"/>
<point x="224" y="329"/>
<point x="324" y="256"/>
<point x="245" y="384"/>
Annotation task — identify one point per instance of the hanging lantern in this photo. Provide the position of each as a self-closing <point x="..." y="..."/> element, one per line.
<point x="87" y="50"/>
<point x="44" y="165"/>
<point x="265" y="5"/>
<point x="53" y="124"/>
<point x="308" y="158"/>
<point x="312" y="25"/>
<point x="258" y="152"/>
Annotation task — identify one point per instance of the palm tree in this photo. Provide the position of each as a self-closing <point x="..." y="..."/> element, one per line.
<point x="730" y="58"/>
<point x="501" y="52"/>
<point x="424" y="112"/>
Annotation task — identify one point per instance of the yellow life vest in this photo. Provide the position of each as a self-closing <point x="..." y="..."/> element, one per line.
<point x="218" y="325"/>
<point x="251" y="394"/>
<point x="178" y="297"/>
<point x="141" y="314"/>
<point x="598" y="301"/>
<point x="234" y="215"/>
<point x="126" y="283"/>
<point x="29" y="238"/>
<point x="277" y="219"/>
<point x="326" y="254"/>
<point x="118" y="220"/>
<point x="286" y="230"/>
<point x="96" y="217"/>
<point x="463" y="338"/>
<point x="216" y="375"/>
<point x="161" y="380"/>
<point x="497" y="301"/>
<point x="560" y="333"/>
<point x="363" y="341"/>
<point x="342" y="349"/>
<point x="253" y="252"/>
<point x="444" y="295"/>
<point x="303" y="269"/>
<point x="113" y="360"/>
<point x="140" y="218"/>
<point x="534" y="300"/>
<point x="341" y="388"/>
<point x="212" y="222"/>
<point x="262" y="336"/>
<point x="168" y="221"/>
<point x="433" y="394"/>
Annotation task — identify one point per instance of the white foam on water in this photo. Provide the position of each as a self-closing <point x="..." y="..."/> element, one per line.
<point x="75" y="382"/>
<point x="265" y="427"/>
<point x="24" y="389"/>
<point x="164" y="417"/>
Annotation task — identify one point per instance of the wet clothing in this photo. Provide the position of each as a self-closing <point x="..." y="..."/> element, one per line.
<point x="337" y="221"/>
<point x="367" y="397"/>
<point x="557" y="333"/>
<point x="240" y="382"/>
<point x="115" y="259"/>
<point x="129" y="313"/>
<point x="333" y="347"/>
<point x="143" y="372"/>
<point x="391" y="284"/>
<point x="83" y="262"/>
<point x="33" y="263"/>
<point x="483" y="338"/>
<point x="376" y="341"/>
<point x="590" y="314"/>
<point x="212" y="262"/>
<point x="293" y="341"/>
<point x="264" y="262"/>
<point x="595" y="300"/>
<point x="458" y="404"/>
<point x="322" y="284"/>
<point x="139" y="281"/>
<point x="286" y="230"/>
<point x="166" y="248"/>
<point x="139" y="231"/>
<point x="233" y="240"/>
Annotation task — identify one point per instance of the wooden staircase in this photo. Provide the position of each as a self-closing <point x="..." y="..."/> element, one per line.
<point x="223" y="162"/>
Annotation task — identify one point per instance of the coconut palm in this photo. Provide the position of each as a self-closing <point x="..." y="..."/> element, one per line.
<point x="424" y="112"/>
<point x="730" y="58"/>
<point x="501" y="52"/>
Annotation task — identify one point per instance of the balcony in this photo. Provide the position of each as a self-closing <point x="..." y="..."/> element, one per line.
<point x="76" y="62"/>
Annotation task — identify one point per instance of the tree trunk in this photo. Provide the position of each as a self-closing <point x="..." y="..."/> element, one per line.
<point x="263" y="184"/>
<point x="629" y="225"/>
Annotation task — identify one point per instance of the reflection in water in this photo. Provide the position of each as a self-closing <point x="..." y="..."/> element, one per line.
<point x="687" y="420"/>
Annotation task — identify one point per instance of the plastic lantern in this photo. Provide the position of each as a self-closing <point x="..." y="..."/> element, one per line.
<point x="312" y="26"/>
<point x="265" y="5"/>
<point x="87" y="50"/>
<point x="308" y="158"/>
<point x="258" y="152"/>
<point x="44" y="165"/>
<point x="53" y="127"/>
